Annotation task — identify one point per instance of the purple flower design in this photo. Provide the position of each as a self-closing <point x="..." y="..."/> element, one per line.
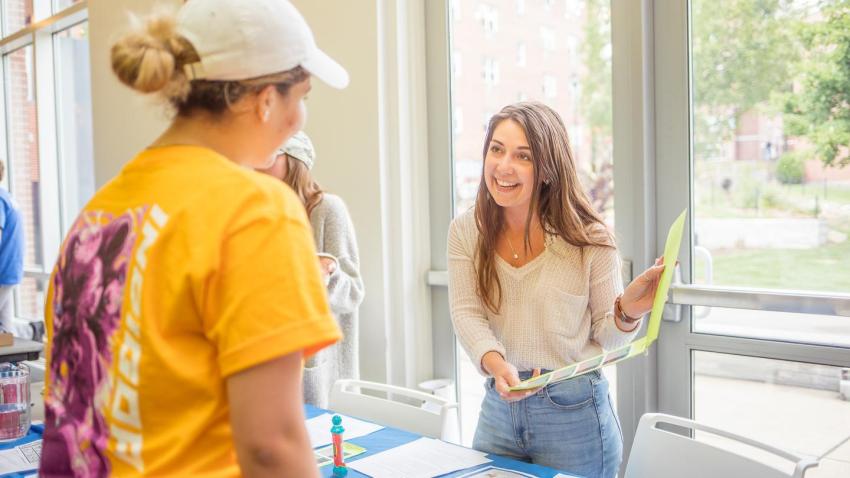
<point x="88" y="286"/>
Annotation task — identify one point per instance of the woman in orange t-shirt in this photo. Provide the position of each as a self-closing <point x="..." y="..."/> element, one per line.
<point x="187" y="293"/>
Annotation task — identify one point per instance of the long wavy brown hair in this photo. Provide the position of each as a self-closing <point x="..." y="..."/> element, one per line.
<point x="557" y="198"/>
<point x="298" y="177"/>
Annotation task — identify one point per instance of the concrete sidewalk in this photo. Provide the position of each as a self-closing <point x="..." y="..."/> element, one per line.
<point x="801" y="420"/>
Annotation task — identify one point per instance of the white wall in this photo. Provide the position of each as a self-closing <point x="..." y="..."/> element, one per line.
<point x="342" y="124"/>
<point x="124" y="122"/>
<point x="344" y="128"/>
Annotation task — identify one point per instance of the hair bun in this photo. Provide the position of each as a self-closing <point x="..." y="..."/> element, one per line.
<point x="146" y="59"/>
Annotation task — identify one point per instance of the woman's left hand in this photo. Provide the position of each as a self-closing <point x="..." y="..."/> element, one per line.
<point x="328" y="265"/>
<point x="640" y="294"/>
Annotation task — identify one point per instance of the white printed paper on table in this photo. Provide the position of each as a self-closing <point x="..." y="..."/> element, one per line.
<point x="21" y="458"/>
<point x="422" y="458"/>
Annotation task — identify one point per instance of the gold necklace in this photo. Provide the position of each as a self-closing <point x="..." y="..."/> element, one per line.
<point x="516" y="256"/>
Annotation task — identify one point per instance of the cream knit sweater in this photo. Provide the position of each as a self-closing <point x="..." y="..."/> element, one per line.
<point x="556" y="310"/>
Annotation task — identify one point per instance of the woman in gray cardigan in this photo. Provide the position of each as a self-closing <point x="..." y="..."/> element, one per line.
<point x="336" y="243"/>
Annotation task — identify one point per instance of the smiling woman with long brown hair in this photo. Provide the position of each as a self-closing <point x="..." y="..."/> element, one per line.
<point x="535" y="285"/>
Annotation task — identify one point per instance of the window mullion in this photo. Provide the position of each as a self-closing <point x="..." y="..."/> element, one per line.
<point x="48" y="152"/>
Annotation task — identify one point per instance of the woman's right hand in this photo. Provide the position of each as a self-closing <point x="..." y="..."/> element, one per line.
<point x="505" y="376"/>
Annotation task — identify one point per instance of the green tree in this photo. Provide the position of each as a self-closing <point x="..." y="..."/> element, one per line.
<point x="742" y="52"/>
<point x="821" y="110"/>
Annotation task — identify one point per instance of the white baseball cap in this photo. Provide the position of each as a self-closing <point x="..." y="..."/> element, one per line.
<point x="243" y="39"/>
<point x="301" y="148"/>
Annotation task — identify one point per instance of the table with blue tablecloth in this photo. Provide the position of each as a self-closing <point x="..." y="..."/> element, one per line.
<point x="36" y="430"/>
<point x="376" y="442"/>
<point x="387" y="438"/>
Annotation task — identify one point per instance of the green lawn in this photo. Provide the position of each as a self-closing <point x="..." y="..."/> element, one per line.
<point x="752" y="194"/>
<point x="826" y="268"/>
<point x="833" y="193"/>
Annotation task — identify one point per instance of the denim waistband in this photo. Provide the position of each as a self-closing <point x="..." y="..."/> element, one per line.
<point x="526" y="374"/>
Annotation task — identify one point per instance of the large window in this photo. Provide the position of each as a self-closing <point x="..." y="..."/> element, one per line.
<point x="772" y="202"/>
<point x="760" y="341"/>
<point x="772" y="211"/>
<point x="23" y="165"/>
<point x="17" y="14"/>
<point x="73" y="119"/>
<point x="47" y="134"/>
<point x="558" y="53"/>
<point x="747" y="395"/>
<point x="59" y="5"/>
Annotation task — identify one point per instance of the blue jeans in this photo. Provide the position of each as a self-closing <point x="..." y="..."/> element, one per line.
<point x="570" y="426"/>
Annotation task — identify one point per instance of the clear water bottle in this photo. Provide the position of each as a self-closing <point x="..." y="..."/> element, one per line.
<point x="14" y="401"/>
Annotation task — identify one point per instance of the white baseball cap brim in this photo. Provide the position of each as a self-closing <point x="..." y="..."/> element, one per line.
<point x="325" y="68"/>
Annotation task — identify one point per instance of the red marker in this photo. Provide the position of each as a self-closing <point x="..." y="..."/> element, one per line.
<point x="336" y="433"/>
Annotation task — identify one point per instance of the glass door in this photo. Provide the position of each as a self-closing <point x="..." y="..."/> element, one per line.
<point x="749" y="136"/>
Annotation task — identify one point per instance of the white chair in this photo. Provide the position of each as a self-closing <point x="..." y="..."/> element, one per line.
<point x="660" y="453"/>
<point x="432" y="416"/>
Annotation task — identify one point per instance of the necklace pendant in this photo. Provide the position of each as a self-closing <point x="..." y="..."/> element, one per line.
<point x="516" y="257"/>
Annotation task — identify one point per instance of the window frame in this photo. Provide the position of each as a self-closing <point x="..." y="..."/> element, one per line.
<point x="40" y="35"/>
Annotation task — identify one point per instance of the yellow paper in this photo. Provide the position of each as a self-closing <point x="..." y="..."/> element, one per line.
<point x="671" y="255"/>
<point x="637" y="347"/>
<point x="325" y="456"/>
